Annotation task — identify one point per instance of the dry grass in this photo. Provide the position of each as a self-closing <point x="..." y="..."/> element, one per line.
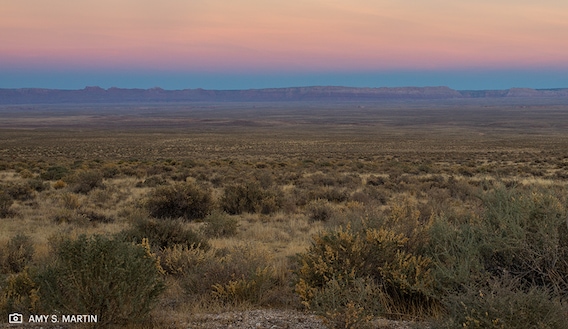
<point x="385" y="156"/>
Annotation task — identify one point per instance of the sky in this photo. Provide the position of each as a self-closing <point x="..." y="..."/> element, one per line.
<point x="241" y="44"/>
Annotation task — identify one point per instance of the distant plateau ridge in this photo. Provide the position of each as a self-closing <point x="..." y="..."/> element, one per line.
<point x="316" y="93"/>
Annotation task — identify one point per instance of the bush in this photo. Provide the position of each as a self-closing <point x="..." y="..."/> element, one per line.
<point x="507" y="267"/>
<point x="163" y="234"/>
<point x="220" y="224"/>
<point x="521" y="233"/>
<point x="526" y="236"/>
<point x="346" y="304"/>
<point x="54" y="173"/>
<point x="330" y="193"/>
<point x="500" y="304"/>
<point x="85" y="181"/>
<point x="110" y="170"/>
<point x="235" y="275"/>
<point x="38" y="185"/>
<point x="381" y="255"/>
<point x="179" y="260"/>
<point x="17" y="254"/>
<point x="70" y="201"/>
<point x="59" y="185"/>
<point x="152" y="181"/>
<point x="117" y="281"/>
<point x="18" y="293"/>
<point x="249" y="197"/>
<point x="182" y="200"/>
<point x="251" y="288"/>
<point x="6" y="202"/>
<point x="20" y="192"/>
<point x="319" y="210"/>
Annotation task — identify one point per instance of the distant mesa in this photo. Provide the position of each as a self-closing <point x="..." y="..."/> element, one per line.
<point x="95" y="94"/>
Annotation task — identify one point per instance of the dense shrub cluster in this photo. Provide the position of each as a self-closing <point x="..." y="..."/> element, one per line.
<point x="504" y="266"/>
<point x="437" y="238"/>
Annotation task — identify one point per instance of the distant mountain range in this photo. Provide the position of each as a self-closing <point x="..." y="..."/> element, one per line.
<point x="317" y="93"/>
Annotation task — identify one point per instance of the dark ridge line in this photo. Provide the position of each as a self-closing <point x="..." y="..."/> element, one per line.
<point x="95" y="94"/>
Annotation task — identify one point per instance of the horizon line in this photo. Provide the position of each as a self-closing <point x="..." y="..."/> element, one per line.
<point x="97" y="87"/>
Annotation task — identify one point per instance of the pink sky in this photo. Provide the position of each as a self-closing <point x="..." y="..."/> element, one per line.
<point x="284" y="34"/>
<point x="266" y="43"/>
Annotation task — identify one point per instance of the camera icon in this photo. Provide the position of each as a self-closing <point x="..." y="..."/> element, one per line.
<point x="15" y="318"/>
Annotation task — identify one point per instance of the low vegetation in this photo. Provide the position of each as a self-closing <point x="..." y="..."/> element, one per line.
<point x="473" y="235"/>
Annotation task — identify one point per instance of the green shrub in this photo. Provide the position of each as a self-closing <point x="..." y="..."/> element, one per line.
<point x="378" y="254"/>
<point x="506" y="266"/>
<point x="54" y="173"/>
<point x="182" y="200"/>
<point x="86" y="180"/>
<point x="219" y="224"/>
<point x="6" y="202"/>
<point x="241" y="198"/>
<point x="332" y="194"/>
<point x="38" y="185"/>
<point x="179" y="260"/>
<point x="17" y="254"/>
<point x="250" y="288"/>
<point x="249" y="197"/>
<point x="18" y="293"/>
<point x="20" y="192"/>
<point x="110" y="170"/>
<point x="234" y="275"/>
<point x="526" y="236"/>
<point x="162" y="234"/>
<point x="500" y="304"/>
<point x="319" y="210"/>
<point x="117" y="281"/>
<point x="152" y="181"/>
<point x="346" y="304"/>
<point x="520" y="233"/>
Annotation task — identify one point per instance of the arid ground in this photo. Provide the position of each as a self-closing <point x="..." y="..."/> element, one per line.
<point x="346" y="214"/>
